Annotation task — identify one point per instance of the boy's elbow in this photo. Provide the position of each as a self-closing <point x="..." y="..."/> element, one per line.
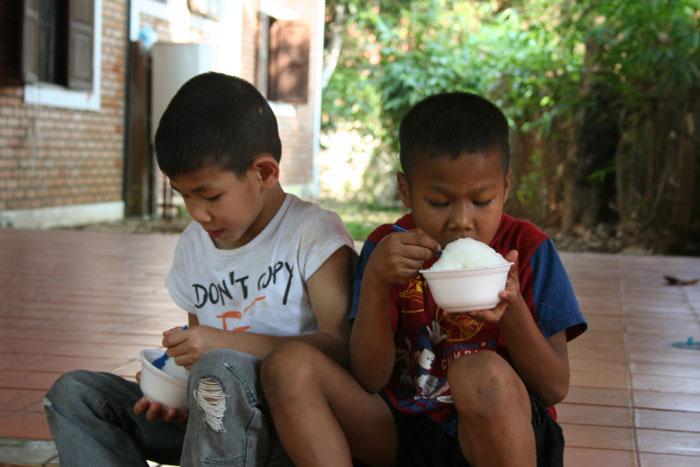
<point x="338" y="349"/>
<point x="369" y="378"/>
<point x="370" y="385"/>
<point x="554" y="394"/>
<point x="554" y="398"/>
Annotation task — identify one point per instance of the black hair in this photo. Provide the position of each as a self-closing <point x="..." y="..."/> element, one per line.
<point x="451" y="124"/>
<point x="215" y="120"/>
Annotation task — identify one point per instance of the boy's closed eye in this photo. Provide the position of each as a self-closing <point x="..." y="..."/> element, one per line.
<point x="444" y="204"/>
<point x="483" y="203"/>
<point x="438" y="204"/>
<point x="212" y="198"/>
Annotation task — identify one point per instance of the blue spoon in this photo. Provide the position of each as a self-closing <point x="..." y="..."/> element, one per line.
<point x="398" y="228"/>
<point x="160" y="361"/>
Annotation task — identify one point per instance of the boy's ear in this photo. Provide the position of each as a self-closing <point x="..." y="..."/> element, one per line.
<point x="404" y="189"/>
<point x="267" y="169"/>
<point x="507" y="187"/>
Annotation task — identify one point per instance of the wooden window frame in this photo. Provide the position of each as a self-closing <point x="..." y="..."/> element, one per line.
<point x="81" y="91"/>
<point x="275" y="60"/>
<point x="72" y="26"/>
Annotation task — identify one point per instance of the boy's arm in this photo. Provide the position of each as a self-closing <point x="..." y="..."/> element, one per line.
<point x="372" y="350"/>
<point x="396" y="259"/>
<point x="542" y="363"/>
<point x="329" y="293"/>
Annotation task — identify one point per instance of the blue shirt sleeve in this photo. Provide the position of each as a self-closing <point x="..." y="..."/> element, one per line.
<point x="366" y="252"/>
<point x="555" y="301"/>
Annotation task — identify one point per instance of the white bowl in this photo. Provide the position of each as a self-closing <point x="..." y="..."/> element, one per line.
<point x="159" y="386"/>
<point x="456" y="290"/>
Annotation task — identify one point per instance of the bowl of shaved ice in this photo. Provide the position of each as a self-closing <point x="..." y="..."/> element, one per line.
<point x="166" y="385"/>
<point x="467" y="277"/>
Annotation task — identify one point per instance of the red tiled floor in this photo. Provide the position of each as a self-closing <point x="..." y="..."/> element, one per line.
<point x="669" y="384"/>
<point x="61" y="364"/>
<point x="75" y="300"/>
<point x="93" y="300"/>
<point x="594" y="415"/>
<point x="586" y="457"/>
<point x="666" y="369"/>
<point x="19" y="379"/>
<point x="24" y="424"/>
<point x="12" y="400"/>
<point x="598" y="396"/>
<point x="669" y="442"/>
<point x="91" y="349"/>
<point x="602" y="437"/>
<point x="664" y="401"/>
<point x="665" y="460"/>
<point x="668" y="420"/>
<point x="36" y="407"/>
<point x="600" y="378"/>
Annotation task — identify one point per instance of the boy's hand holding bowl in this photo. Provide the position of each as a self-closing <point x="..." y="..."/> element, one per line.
<point x="163" y="384"/>
<point x="468" y="276"/>
<point x="167" y="386"/>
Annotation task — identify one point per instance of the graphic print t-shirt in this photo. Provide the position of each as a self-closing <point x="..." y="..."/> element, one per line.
<point x="427" y="340"/>
<point x="261" y="286"/>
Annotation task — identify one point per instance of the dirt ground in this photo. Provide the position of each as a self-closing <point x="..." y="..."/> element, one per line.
<point x="137" y="226"/>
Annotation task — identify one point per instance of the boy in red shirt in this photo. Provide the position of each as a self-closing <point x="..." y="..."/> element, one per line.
<point x="426" y="387"/>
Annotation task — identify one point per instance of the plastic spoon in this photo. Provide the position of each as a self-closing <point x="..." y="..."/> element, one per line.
<point x="398" y="228"/>
<point x="160" y="361"/>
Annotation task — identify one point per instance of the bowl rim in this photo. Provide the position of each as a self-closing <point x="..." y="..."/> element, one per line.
<point x="495" y="266"/>
<point x="168" y="377"/>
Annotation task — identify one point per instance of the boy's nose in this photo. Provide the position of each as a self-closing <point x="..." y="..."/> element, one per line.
<point x="199" y="213"/>
<point x="463" y="217"/>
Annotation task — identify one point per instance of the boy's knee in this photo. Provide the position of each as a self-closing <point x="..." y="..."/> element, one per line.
<point x="483" y="384"/>
<point x="287" y="368"/>
<point x="67" y="384"/>
<point x="71" y="392"/>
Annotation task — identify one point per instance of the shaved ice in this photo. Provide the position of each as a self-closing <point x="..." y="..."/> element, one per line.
<point x="173" y="369"/>
<point x="466" y="253"/>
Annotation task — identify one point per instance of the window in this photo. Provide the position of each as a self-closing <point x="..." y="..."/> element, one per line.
<point x="284" y="59"/>
<point x="52" y="42"/>
<point x="57" y="42"/>
<point x="10" y="33"/>
<point x="288" y="67"/>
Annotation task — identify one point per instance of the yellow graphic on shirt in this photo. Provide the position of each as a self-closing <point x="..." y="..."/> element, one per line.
<point x="457" y="326"/>
<point x="411" y="299"/>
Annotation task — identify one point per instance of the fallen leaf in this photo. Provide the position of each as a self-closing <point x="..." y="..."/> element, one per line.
<point x="676" y="281"/>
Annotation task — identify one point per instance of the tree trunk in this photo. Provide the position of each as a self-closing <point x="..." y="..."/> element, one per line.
<point x="336" y="28"/>
<point x="688" y="150"/>
<point x="589" y="185"/>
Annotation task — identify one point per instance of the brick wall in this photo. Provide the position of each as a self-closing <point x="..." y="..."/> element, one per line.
<point x="51" y="156"/>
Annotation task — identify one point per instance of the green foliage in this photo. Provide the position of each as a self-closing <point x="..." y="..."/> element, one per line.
<point x="646" y="48"/>
<point x="532" y="58"/>
<point x="360" y="218"/>
<point x="430" y="46"/>
<point x="528" y="191"/>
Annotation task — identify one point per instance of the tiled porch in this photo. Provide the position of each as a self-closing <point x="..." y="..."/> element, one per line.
<point x="93" y="300"/>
